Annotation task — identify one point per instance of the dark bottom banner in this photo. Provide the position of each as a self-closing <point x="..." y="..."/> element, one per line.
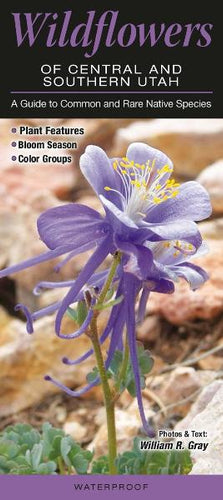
<point x="131" y="487"/>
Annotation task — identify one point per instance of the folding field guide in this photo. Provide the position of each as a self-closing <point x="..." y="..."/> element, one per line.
<point x="111" y="270"/>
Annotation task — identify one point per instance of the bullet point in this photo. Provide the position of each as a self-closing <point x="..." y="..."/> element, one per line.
<point x="13" y="144"/>
<point x="13" y="158"/>
<point x="13" y="130"/>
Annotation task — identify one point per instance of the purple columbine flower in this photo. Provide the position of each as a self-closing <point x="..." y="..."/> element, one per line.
<point x="149" y="218"/>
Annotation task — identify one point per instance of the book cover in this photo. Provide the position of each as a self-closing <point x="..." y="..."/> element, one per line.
<point x="111" y="182"/>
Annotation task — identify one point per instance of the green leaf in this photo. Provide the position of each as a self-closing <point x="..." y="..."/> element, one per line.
<point x="109" y="294"/>
<point x="21" y="471"/>
<point x="18" y="428"/>
<point x="131" y="388"/>
<point x="4" y="465"/>
<point x="91" y="376"/>
<point x="100" y="466"/>
<point x="47" y="468"/>
<point x="115" y="364"/>
<point x="79" y="314"/>
<point x="22" y="434"/>
<point x="31" y="457"/>
<point x="80" y="463"/>
<point x="65" y="447"/>
<point x="28" y="457"/>
<point x="8" y="448"/>
<point x="50" y="433"/>
<point x="36" y="455"/>
<point x="54" y="453"/>
<point x="131" y="385"/>
<point x="79" y="458"/>
<point x="82" y="312"/>
<point x="30" y="438"/>
<point x="106" y="305"/>
<point x="21" y="461"/>
<point x="153" y="462"/>
<point x="72" y="313"/>
<point x="145" y="362"/>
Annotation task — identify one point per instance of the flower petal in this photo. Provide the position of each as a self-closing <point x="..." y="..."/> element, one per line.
<point x="99" y="172"/>
<point x="69" y="391"/>
<point x="117" y="328"/>
<point x="43" y="257"/>
<point x="153" y="285"/>
<point x="161" y="286"/>
<point x="141" y="153"/>
<point x="195" y="275"/>
<point x="96" y="280"/>
<point x="171" y="252"/>
<point x="140" y="258"/>
<point x="72" y="223"/>
<point x="192" y="203"/>
<point x="202" y="250"/>
<point x="93" y="263"/>
<point x="80" y="331"/>
<point x="142" y="305"/>
<point x="114" y="315"/>
<point x="119" y="220"/>
<point x="29" y="319"/>
<point x="130" y="296"/>
<point x="116" y="337"/>
<point x="177" y="230"/>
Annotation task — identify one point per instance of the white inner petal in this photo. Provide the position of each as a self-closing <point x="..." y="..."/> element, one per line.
<point x="142" y="187"/>
<point x="171" y="252"/>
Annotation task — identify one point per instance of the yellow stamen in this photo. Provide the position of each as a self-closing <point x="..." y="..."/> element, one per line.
<point x="138" y="165"/>
<point x="175" y="193"/>
<point x="176" y="253"/>
<point x="125" y="165"/>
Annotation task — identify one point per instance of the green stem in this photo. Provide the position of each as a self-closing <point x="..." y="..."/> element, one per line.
<point x="108" y="399"/>
<point x="61" y="466"/>
<point x="108" y="396"/>
<point x="107" y="285"/>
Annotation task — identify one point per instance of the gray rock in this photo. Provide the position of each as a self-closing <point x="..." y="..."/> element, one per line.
<point x="212" y="179"/>
<point x="206" y="415"/>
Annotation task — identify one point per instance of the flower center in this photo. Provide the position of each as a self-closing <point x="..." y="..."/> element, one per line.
<point x="168" y="251"/>
<point x="142" y="186"/>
